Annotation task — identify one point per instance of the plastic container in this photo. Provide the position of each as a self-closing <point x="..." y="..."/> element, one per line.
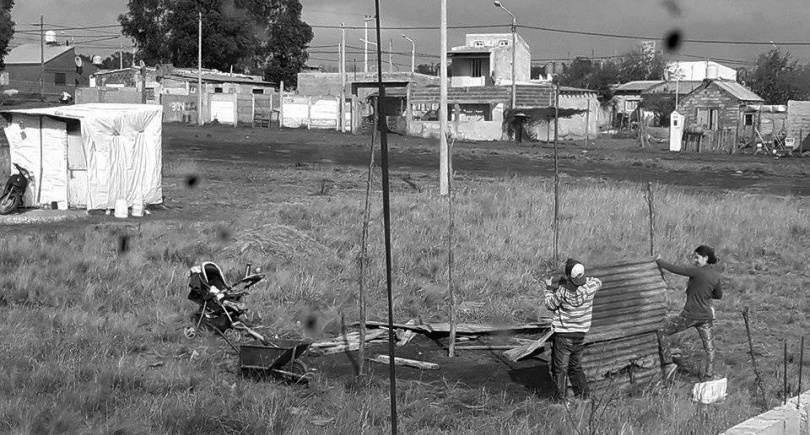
<point x="121" y="208"/>
<point x="137" y="209"/>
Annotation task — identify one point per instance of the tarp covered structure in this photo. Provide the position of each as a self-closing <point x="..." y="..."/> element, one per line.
<point x="88" y="155"/>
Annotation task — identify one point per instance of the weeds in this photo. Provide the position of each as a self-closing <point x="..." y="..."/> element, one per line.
<point x="92" y="339"/>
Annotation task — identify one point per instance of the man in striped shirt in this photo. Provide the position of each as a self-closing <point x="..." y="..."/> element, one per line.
<point x="571" y="301"/>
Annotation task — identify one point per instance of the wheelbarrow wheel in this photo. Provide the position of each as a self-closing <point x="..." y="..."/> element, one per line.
<point x="233" y="335"/>
<point x="299" y="368"/>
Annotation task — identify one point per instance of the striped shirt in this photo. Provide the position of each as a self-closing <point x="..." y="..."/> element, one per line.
<point x="572" y="308"/>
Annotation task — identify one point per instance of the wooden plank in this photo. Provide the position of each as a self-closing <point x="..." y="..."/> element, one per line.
<point x="350" y="338"/>
<point x="484" y="347"/>
<point x="335" y="349"/>
<point x="383" y="359"/>
<point x="466" y="328"/>
<point x="407" y="334"/>
<point x="517" y="353"/>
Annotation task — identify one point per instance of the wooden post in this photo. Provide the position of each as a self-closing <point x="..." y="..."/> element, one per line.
<point x="651" y="207"/>
<point x="556" y="177"/>
<point x="757" y="377"/>
<point x="450" y="228"/>
<point x="801" y="139"/>
<point x="281" y="105"/>
<point x="309" y="113"/>
<point x="588" y="124"/>
<point x="408" y="110"/>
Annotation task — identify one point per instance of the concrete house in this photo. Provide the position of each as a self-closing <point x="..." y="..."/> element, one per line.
<point x="62" y="71"/>
<point x="486" y="59"/>
<point x="698" y="71"/>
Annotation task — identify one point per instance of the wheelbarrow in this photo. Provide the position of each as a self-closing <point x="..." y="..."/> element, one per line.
<point x="278" y="359"/>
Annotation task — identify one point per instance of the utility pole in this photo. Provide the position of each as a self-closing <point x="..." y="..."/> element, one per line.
<point x="120" y="53"/>
<point x="413" y="53"/>
<point x="199" y="71"/>
<point x="514" y="49"/>
<point x="390" y="55"/>
<point x="443" y="148"/>
<point x="342" y="126"/>
<point x="366" y="19"/>
<point x="42" y="58"/>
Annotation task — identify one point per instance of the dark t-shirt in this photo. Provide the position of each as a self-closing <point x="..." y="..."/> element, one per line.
<point x="704" y="285"/>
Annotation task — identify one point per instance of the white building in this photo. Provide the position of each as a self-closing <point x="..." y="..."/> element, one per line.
<point x="698" y="71"/>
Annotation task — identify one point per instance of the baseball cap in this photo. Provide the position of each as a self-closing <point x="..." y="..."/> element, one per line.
<point x="575" y="271"/>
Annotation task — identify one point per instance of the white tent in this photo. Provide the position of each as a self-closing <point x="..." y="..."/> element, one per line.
<point x="88" y="155"/>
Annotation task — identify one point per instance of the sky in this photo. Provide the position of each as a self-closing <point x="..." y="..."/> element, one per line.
<point x="554" y="29"/>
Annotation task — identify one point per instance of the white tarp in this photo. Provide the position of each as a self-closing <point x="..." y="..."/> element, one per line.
<point x="122" y="145"/>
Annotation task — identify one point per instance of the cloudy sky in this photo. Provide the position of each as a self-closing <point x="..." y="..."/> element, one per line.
<point x="554" y="29"/>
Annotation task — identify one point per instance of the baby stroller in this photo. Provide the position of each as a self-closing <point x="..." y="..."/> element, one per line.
<point x="221" y="306"/>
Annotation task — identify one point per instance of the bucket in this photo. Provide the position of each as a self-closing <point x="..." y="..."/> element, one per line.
<point x="121" y="208"/>
<point x="137" y="209"/>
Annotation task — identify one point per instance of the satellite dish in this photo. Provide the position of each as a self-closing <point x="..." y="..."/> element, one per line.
<point x="50" y="37"/>
<point x="97" y="60"/>
<point x="78" y="61"/>
<point x="141" y="64"/>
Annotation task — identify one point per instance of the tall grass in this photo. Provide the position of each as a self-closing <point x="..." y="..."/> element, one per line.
<point x="92" y="336"/>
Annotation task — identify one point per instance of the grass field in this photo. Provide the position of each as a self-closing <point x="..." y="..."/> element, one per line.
<point x="92" y="338"/>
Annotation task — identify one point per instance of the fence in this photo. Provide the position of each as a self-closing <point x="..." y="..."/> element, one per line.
<point x="712" y="141"/>
<point x="108" y="95"/>
<point x="312" y="112"/>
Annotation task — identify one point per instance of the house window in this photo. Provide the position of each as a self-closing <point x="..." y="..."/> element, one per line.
<point x="59" y="79"/>
<point x="217" y="90"/>
<point x="258" y="91"/>
<point x="749" y="119"/>
<point x="476" y="68"/>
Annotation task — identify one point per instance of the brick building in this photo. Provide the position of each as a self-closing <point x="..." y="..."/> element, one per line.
<point x="61" y="70"/>
<point x="717" y="105"/>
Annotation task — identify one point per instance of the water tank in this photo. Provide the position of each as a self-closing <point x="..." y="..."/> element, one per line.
<point x="50" y="37"/>
<point x="711" y="72"/>
<point x="97" y="60"/>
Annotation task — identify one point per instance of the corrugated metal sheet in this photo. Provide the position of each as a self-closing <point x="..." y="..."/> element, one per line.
<point x="622" y="348"/>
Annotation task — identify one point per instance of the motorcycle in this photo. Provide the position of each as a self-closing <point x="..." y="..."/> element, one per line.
<point x="12" y="197"/>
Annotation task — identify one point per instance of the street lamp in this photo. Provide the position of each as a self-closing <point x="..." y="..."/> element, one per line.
<point x="514" y="48"/>
<point x="366" y="19"/>
<point x="413" y="52"/>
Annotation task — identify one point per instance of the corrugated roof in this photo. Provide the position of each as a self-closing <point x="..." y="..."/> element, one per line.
<point x="622" y="347"/>
<point x="30" y="53"/>
<point x="737" y="90"/>
<point x="638" y="85"/>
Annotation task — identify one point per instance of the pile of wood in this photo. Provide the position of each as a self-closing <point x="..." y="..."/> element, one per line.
<point x="468" y="337"/>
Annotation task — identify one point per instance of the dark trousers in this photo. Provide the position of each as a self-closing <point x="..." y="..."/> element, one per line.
<point x="566" y="361"/>
<point x="675" y="324"/>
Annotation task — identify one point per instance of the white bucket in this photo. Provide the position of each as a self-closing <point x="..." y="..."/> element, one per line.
<point x="137" y="209"/>
<point x="121" y="208"/>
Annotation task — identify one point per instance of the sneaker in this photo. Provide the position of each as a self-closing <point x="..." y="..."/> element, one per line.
<point x="669" y="371"/>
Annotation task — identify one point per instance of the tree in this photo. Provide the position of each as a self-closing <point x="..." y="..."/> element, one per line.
<point x="282" y="52"/>
<point x="428" y="68"/>
<point x="641" y="64"/>
<point x="589" y="74"/>
<point x="114" y="61"/>
<point x="166" y="31"/>
<point x="248" y="35"/>
<point x="6" y="28"/>
<point x="778" y="79"/>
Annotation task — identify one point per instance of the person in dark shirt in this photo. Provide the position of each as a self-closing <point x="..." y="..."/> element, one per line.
<point x="703" y="287"/>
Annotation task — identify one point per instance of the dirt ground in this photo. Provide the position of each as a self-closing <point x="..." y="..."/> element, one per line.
<point x="472" y="369"/>
<point x="610" y="159"/>
<point x="604" y="159"/>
